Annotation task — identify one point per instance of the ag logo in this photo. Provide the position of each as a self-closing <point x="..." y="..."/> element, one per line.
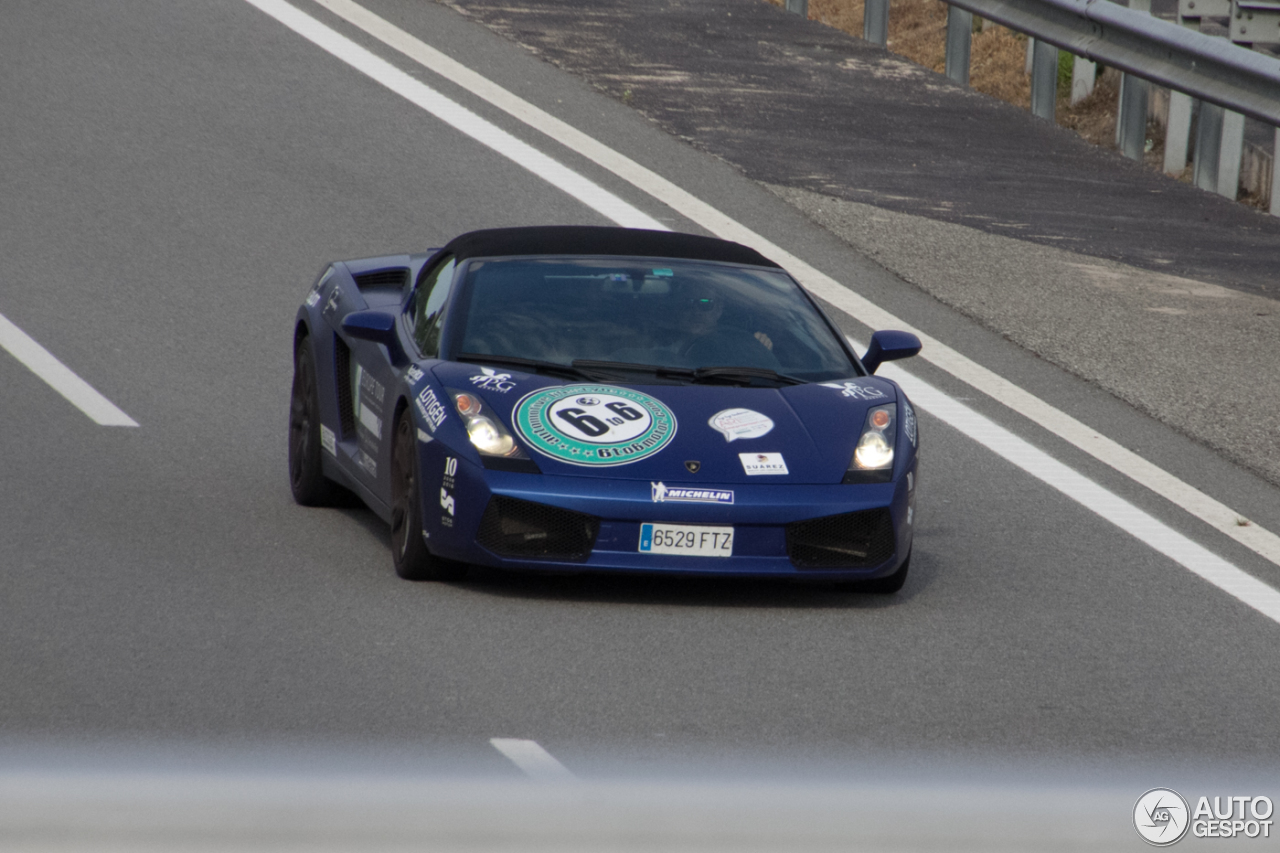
<point x="596" y="425"/>
<point x="1161" y="816"/>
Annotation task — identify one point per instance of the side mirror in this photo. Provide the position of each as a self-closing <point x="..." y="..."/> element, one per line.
<point x="378" y="327"/>
<point x="889" y="346"/>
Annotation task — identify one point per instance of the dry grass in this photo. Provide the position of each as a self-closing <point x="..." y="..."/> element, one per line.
<point x="997" y="59"/>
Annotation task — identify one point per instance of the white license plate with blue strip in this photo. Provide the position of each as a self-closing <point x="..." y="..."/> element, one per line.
<point x="691" y="540"/>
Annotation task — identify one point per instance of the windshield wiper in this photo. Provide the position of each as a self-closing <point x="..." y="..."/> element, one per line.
<point x="655" y="369"/>
<point x="529" y="365"/>
<point x="743" y="374"/>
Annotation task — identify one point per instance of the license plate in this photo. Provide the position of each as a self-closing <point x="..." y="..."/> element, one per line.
<point x="689" y="539"/>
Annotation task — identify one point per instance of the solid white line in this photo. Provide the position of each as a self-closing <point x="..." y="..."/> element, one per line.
<point x="1117" y="511"/>
<point x="535" y="761"/>
<point x="458" y="117"/>
<point x="1209" y="510"/>
<point x="1109" y="506"/>
<point x="60" y="378"/>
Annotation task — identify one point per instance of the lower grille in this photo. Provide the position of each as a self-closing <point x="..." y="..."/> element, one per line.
<point x="511" y="527"/>
<point x="342" y="373"/>
<point x="855" y="540"/>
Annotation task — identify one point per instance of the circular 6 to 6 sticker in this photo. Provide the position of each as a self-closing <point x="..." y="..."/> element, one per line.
<point x="595" y="425"/>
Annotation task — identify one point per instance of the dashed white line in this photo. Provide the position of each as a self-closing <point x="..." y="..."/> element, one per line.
<point x="530" y="757"/>
<point x="1114" y="509"/>
<point x="59" y="377"/>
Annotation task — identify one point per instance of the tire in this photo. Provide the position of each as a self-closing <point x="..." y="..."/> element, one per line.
<point x="887" y="585"/>
<point x="409" y="553"/>
<point x="306" y="476"/>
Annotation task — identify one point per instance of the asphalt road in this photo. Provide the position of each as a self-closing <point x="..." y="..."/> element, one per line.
<point x="172" y="176"/>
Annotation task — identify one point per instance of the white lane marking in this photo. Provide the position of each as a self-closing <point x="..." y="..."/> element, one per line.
<point x="59" y="377"/>
<point x="535" y="761"/>
<point x="1123" y="514"/>
<point x="458" y="117"/>
<point x="1214" y="513"/>
<point x="1111" y="507"/>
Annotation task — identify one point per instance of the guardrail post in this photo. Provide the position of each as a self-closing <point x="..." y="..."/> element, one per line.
<point x="1230" y="154"/>
<point x="1131" y="126"/>
<point x="1275" y="176"/>
<point x="1084" y="75"/>
<point x="1177" y="132"/>
<point x="875" y="21"/>
<point x="1131" y="122"/>
<point x="1044" y="80"/>
<point x="800" y="7"/>
<point x="959" y="38"/>
<point x="1208" y="146"/>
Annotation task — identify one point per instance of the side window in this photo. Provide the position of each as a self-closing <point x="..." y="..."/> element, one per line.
<point x="429" y="304"/>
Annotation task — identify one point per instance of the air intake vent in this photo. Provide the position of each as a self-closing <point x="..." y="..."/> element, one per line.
<point x="393" y="279"/>
<point x="855" y="540"/>
<point x="511" y="527"/>
<point x="342" y="376"/>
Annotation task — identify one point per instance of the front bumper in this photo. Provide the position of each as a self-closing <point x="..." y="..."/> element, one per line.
<point x="761" y="515"/>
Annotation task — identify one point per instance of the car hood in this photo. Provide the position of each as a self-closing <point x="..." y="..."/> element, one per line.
<point x="664" y="431"/>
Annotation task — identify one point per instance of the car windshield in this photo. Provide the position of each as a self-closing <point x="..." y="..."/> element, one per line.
<point x="683" y="316"/>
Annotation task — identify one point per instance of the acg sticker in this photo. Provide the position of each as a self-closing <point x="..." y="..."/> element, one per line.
<point x="740" y="423"/>
<point x="596" y="425"/>
<point x="758" y="464"/>
<point x="856" y="391"/>
<point x="491" y="380"/>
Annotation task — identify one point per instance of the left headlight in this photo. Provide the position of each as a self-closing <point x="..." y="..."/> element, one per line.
<point x="485" y="428"/>
<point x="873" y="457"/>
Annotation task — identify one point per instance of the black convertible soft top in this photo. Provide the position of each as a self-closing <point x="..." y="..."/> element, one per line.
<point x="595" y="240"/>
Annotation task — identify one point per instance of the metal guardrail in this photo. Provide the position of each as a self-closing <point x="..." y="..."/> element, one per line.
<point x="1230" y="80"/>
<point x="1211" y="69"/>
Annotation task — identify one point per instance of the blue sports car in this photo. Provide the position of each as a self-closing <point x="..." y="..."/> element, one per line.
<point x="602" y="399"/>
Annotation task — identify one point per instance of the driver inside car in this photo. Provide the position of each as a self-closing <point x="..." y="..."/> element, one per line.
<point x="707" y="339"/>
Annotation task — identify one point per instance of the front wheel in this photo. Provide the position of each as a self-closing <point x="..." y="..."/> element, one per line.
<point x="409" y="552"/>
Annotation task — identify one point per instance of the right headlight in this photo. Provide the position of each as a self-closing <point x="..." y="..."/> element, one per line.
<point x="484" y="428"/>
<point x="873" y="457"/>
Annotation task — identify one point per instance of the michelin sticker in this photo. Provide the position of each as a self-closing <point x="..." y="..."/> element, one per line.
<point x="328" y="441"/>
<point x="431" y="409"/>
<point x="313" y="299"/>
<point x="594" y="425"/>
<point x="492" y="380"/>
<point x="909" y="421"/>
<point x="662" y="493"/>
<point x="740" y="423"/>
<point x="856" y="391"/>
<point x="413" y="374"/>
<point x="758" y="464"/>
